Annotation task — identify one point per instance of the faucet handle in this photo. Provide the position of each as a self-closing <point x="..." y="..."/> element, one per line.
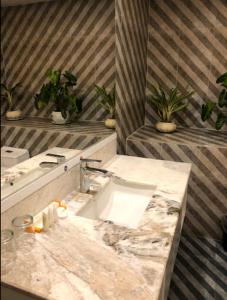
<point x="90" y="160"/>
<point x="84" y="161"/>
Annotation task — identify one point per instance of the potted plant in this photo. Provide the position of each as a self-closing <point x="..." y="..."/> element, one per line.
<point x="8" y="93"/>
<point x="221" y="106"/>
<point x="166" y="103"/>
<point x="59" y="91"/>
<point x="107" y="101"/>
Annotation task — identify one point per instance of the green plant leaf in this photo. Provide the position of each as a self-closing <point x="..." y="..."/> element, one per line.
<point x="207" y="110"/>
<point x="106" y="99"/>
<point x="3" y="86"/>
<point x="165" y="103"/>
<point x="63" y="113"/>
<point x="222" y="99"/>
<point x="221" y="120"/>
<point x="54" y="76"/>
<point x="71" y="79"/>
<point x="58" y="91"/>
<point x="16" y="86"/>
<point x="222" y="79"/>
<point x="8" y="92"/>
<point x="179" y="107"/>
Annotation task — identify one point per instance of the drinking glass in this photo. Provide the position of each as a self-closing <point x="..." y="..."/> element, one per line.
<point x="8" y="253"/>
<point x="23" y="230"/>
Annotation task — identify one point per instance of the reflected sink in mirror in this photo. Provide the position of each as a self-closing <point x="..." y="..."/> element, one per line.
<point x="14" y="178"/>
<point x="19" y="180"/>
<point x="121" y="202"/>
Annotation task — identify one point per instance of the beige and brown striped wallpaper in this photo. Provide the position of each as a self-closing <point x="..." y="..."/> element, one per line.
<point x="187" y="45"/>
<point x="131" y="53"/>
<point x="178" y="42"/>
<point x="75" y="35"/>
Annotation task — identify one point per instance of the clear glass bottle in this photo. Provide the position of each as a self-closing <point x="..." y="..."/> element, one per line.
<point x="24" y="234"/>
<point x="8" y="253"/>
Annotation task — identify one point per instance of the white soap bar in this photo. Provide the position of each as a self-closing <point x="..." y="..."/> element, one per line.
<point x="62" y="212"/>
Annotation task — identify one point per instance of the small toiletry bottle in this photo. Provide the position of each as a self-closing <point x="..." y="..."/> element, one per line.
<point x="51" y="214"/>
<point x="46" y="219"/>
<point x="55" y="214"/>
<point x="38" y="222"/>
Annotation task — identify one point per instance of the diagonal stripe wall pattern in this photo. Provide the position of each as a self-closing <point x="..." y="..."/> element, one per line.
<point x="199" y="271"/>
<point x="187" y="46"/>
<point x="68" y="35"/>
<point x="131" y="52"/>
<point x="207" y="152"/>
<point x="37" y="135"/>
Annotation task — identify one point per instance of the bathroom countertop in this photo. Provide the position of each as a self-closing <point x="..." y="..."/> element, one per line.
<point x="79" y="258"/>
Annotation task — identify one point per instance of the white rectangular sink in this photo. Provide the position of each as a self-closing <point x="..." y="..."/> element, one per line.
<point x="121" y="202"/>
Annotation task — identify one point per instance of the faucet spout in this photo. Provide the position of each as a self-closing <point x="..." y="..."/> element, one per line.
<point x="86" y="170"/>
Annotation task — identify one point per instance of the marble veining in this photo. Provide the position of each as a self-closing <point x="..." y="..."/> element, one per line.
<point x="88" y="259"/>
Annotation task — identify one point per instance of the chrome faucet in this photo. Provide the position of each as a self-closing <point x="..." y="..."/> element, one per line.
<point x="85" y="170"/>
<point x="50" y="164"/>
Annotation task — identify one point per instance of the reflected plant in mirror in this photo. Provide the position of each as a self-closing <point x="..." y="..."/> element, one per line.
<point x="107" y="100"/>
<point x="220" y="106"/>
<point x="60" y="90"/>
<point x="9" y="94"/>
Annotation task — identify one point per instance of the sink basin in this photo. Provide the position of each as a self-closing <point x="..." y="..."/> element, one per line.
<point x="19" y="180"/>
<point x="121" y="202"/>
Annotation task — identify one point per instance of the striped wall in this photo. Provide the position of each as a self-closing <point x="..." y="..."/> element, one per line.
<point x="68" y="35"/>
<point x="37" y="135"/>
<point x="187" y="46"/>
<point x="131" y="52"/>
<point x="199" y="271"/>
<point x="3" y="105"/>
<point x="207" y="152"/>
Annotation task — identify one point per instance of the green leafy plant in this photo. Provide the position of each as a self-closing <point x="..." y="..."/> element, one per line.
<point x="208" y="108"/>
<point x="59" y="90"/>
<point x="166" y="103"/>
<point x="106" y="99"/>
<point x="8" y="93"/>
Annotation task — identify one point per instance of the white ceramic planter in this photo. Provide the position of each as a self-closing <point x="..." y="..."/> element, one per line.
<point x="110" y="123"/>
<point x="165" y="127"/>
<point x="14" y="115"/>
<point x="58" y="119"/>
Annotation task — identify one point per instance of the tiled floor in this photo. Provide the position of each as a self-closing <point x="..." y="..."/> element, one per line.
<point x="200" y="271"/>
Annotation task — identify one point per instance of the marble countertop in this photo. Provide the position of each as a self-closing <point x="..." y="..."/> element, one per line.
<point x="79" y="258"/>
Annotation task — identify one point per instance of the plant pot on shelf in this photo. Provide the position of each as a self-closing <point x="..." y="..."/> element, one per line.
<point x="14" y="115"/>
<point x="58" y="119"/>
<point x="110" y="123"/>
<point x="166" y="127"/>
